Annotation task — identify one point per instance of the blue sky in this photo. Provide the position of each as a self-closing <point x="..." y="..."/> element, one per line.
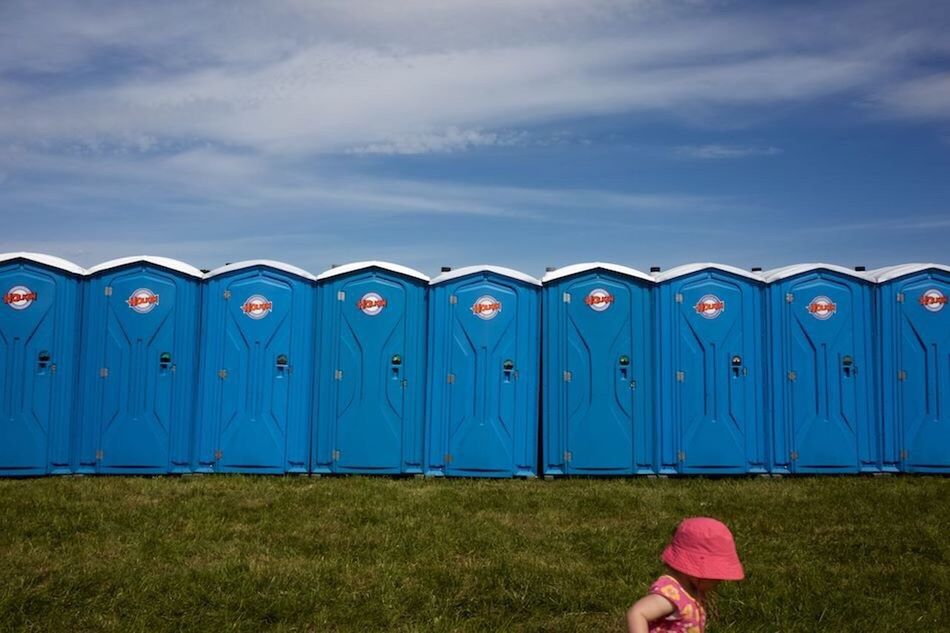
<point x="522" y="134"/>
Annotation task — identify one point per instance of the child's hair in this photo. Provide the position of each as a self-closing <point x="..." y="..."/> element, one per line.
<point x="704" y="548"/>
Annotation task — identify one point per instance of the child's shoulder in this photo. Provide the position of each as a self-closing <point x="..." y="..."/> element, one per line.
<point x="666" y="580"/>
<point x="671" y="589"/>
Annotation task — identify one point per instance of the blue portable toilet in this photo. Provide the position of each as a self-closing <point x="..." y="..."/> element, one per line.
<point x="483" y="373"/>
<point x="711" y="336"/>
<point x="39" y="333"/>
<point x="140" y="331"/>
<point x="371" y="370"/>
<point x="597" y="371"/>
<point x="820" y="324"/>
<point x="256" y="371"/>
<point x="914" y="338"/>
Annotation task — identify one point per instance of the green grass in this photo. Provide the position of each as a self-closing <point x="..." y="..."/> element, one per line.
<point x="219" y="553"/>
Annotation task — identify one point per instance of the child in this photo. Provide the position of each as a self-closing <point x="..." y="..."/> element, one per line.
<point x="701" y="554"/>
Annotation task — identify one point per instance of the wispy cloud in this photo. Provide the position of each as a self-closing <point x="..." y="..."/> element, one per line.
<point x="228" y="183"/>
<point x="920" y="98"/>
<point x="450" y="140"/>
<point x="715" y="152"/>
<point x="884" y="226"/>
<point x="285" y="126"/>
<point x="305" y="79"/>
<point x="208" y="206"/>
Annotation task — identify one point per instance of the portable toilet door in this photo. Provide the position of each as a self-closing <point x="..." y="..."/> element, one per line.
<point x="712" y="372"/>
<point x="39" y="331"/>
<point x="914" y="335"/>
<point x="483" y="376"/>
<point x="256" y="369"/>
<point x="597" y="363"/>
<point x="371" y="372"/>
<point x="822" y="370"/>
<point x="138" y="366"/>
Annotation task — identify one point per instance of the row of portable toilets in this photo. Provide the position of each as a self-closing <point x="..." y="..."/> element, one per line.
<point x="148" y="365"/>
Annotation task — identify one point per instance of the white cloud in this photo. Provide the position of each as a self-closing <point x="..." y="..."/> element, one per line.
<point x="885" y="226"/>
<point x="234" y="126"/>
<point x="209" y="206"/>
<point x="230" y="184"/>
<point x="921" y="98"/>
<point x="451" y="140"/>
<point x="304" y="78"/>
<point x="715" y="152"/>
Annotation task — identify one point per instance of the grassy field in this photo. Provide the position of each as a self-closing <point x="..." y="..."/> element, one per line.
<point x="221" y="553"/>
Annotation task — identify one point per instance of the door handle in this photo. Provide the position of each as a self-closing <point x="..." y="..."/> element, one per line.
<point x="508" y="370"/>
<point x="623" y="364"/>
<point x="283" y="364"/>
<point x="848" y="367"/>
<point x="165" y="360"/>
<point x="395" y="366"/>
<point x="737" y="368"/>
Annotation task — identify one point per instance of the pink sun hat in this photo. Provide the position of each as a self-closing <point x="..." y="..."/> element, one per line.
<point x="704" y="548"/>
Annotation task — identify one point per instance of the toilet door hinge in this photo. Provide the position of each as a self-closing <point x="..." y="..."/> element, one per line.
<point x="789" y="297"/>
<point x="338" y="374"/>
<point x="450" y="379"/>
<point x="900" y="297"/>
<point x="447" y="458"/>
<point x="453" y="299"/>
<point x="681" y="376"/>
<point x="336" y="456"/>
<point x="793" y="456"/>
<point x="568" y="456"/>
<point x="902" y="375"/>
<point x="904" y="455"/>
<point x="108" y="291"/>
<point x="104" y="372"/>
<point x="226" y="294"/>
<point x="218" y="455"/>
<point x="566" y="297"/>
<point x="100" y="455"/>
<point x="223" y="374"/>
<point x="405" y="382"/>
<point x="681" y="456"/>
<point x="792" y="376"/>
<point x="679" y="297"/>
<point x="341" y="296"/>
<point x="568" y="376"/>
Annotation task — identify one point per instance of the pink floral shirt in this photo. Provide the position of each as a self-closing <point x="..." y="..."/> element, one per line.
<point x="689" y="617"/>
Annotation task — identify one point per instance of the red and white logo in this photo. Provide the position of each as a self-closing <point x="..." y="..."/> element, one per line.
<point x="710" y="306"/>
<point x="19" y="297"/>
<point x="257" y="306"/>
<point x="143" y="300"/>
<point x="599" y="299"/>
<point x="933" y="300"/>
<point x="371" y="304"/>
<point x="486" y="307"/>
<point x="822" y="308"/>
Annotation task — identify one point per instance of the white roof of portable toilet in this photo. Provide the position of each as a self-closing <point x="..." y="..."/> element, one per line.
<point x="164" y="262"/>
<point x="886" y="273"/>
<point x="47" y="260"/>
<point x="796" y="269"/>
<point x="499" y="270"/>
<point x="687" y="269"/>
<point x="396" y="268"/>
<point x="574" y="269"/>
<point x="270" y="263"/>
